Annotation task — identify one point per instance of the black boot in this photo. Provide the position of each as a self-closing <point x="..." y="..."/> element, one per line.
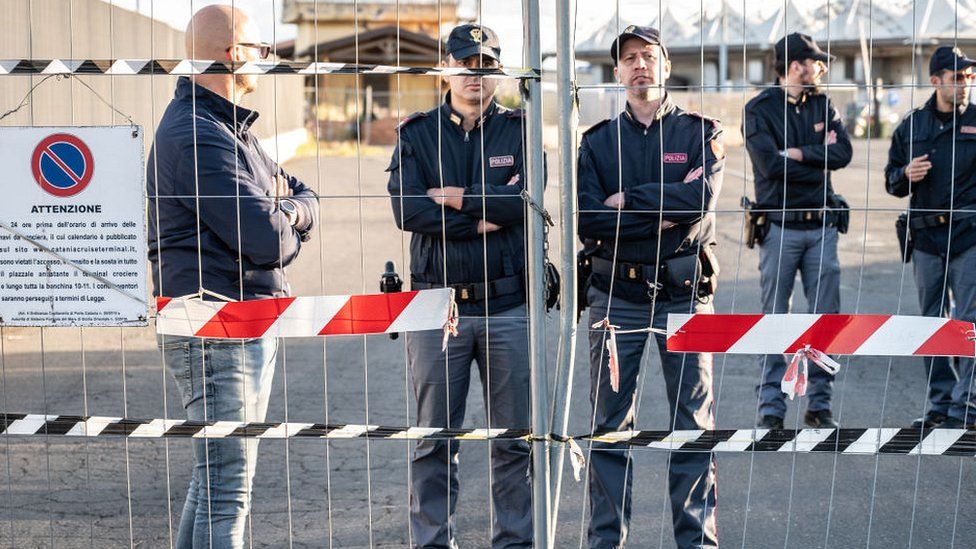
<point x="820" y="419"/>
<point x="930" y="420"/>
<point x="953" y="423"/>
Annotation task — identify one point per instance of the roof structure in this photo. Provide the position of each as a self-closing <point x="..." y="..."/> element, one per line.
<point x="378" y="46"/>
<point x="840" y="21"/>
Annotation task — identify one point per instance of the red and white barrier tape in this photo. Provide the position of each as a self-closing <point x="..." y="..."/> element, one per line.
<point x="308" y="316"/>
<point x="798" y="372"/>
<point x="836" y="334"/>
<point x="613" y="358"/>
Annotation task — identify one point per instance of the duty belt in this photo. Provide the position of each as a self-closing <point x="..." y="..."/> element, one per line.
<point x="470" y="292"/>
<point x="796" y="216"/>
<point x="937" y="219"/>
<point x="623" y="270"/>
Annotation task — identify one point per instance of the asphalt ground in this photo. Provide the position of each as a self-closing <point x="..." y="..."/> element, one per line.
<point x="312" y="493"/>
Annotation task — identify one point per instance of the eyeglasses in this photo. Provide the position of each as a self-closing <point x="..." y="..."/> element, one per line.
<point x="264" y="49"/>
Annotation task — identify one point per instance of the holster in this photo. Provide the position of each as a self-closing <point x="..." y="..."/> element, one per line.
<point x="553" y="283"/>
<point x="756" y="224"/>
<point x="842" y="213"/>
<point x="584" y="269"/>
<point x="680" y="274"/>
<point x="906" y="244"/>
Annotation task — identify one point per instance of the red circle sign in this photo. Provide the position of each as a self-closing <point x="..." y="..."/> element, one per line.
<point x="62" y="165"/>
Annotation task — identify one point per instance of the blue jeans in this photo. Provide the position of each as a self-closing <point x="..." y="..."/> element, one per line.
<point x="951" y="392"/>
<point x="225" y="380"/>
<point x="812" y="252"/>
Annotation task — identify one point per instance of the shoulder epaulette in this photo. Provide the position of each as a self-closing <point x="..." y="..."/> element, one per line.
<point x="596" y="126"/>
<point x="760" y="97"/>
<point x="715" y="121"/>
<point x="411" y="118"/>
<point x="513" y="113"/>
<point x="911" y="112"/>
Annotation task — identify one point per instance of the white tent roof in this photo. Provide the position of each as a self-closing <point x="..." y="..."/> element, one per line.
<point x="673" y="29"/>
<point x="849" y="20"/>
<point x="938" y="19"/>
<point x="845" y="21"/>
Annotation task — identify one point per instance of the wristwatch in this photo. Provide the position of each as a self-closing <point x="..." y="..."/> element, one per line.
<point x="290" y="210"/>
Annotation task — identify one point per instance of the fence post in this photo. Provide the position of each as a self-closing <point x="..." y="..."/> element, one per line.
<point x="535" y="240"/>
<point x="568" y="118"/>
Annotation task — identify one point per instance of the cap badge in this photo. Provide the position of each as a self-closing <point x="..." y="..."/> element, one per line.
<point x="476" y="35"/>
<point x="630" y="29"/>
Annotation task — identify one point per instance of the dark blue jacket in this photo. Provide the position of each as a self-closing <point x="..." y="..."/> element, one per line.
<point x="433" y="150"/>
<point x="945" y="186"/>
<point x="649" y="164"/>
<point x="774" y="122"/>
<point x="209" y="184"/>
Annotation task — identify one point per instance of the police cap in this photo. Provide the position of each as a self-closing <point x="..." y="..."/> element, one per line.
<point x="468" y="40"/>
<point x="647" y="34"/>
<point x="948" y="58"/>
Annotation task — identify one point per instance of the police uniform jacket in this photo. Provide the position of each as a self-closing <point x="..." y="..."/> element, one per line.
<point x="950" y="183"/>
<point x="434" y="150"/>
<point x="774" y="122"/>
<point x="649" y="165"/>
<point x="211" y="213"/>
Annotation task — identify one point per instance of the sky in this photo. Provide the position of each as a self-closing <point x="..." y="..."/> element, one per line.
<point x="504" y="16"/>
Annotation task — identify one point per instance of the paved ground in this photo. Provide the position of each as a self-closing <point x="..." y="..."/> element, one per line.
<point x="109" y="493"/>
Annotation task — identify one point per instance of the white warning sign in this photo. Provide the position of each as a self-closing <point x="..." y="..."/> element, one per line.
<point x="72" y="227"/>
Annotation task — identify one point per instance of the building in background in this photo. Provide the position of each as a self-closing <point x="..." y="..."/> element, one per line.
<point x="95" y="29"/>
<point x="372" y="32"/>
<point x="886" y="42"/>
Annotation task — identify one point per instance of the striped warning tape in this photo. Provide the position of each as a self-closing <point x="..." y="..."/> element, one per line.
<point x="940" y="442"/>
<point x="943" y="442"/>
<point x="98" y="426"/>
<point x="835" y="334"/>
<point x="186" y="67"/>
<point x="310" y="316"/>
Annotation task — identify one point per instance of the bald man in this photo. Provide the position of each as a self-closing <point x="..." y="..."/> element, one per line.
<point x="225" y="220"/>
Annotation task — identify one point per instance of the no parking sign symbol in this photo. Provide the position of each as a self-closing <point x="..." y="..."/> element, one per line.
<point x="62" y="164"/>
<point x="72" y="226"/>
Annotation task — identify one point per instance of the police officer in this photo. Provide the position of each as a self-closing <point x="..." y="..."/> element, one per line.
<point x="648" y="182"/>
<point x="455" y="182"/>
<point x="795" y="139"/>
<point x="931" y="160"/>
